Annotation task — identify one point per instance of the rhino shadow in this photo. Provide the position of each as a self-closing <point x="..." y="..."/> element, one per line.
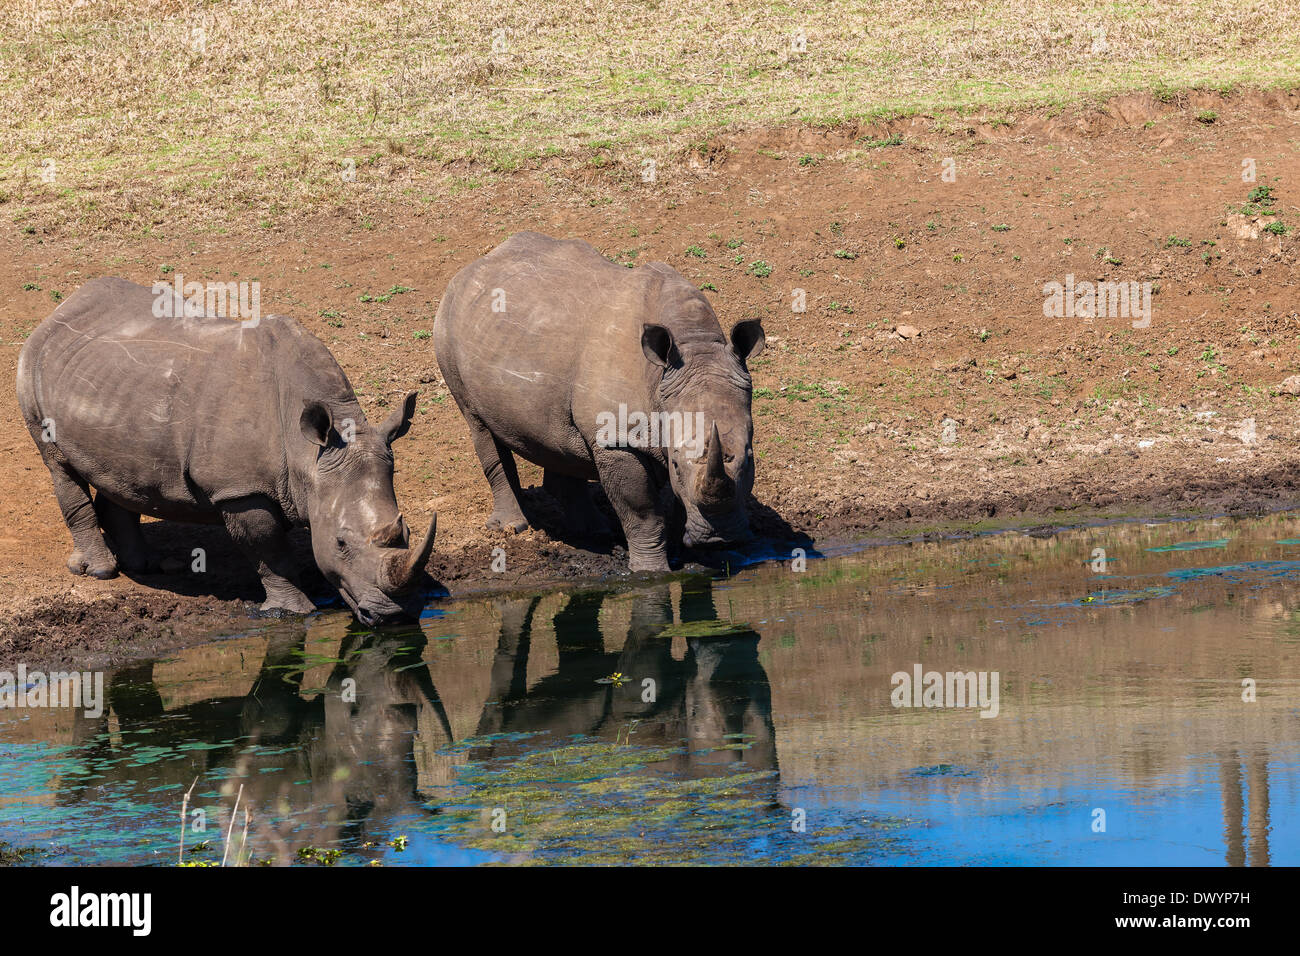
<point x="774" y="538"/>
<point x="546" y="513"/>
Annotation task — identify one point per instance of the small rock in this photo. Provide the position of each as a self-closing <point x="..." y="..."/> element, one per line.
<point x="1291" y="386"/>
<point x="906" y="332"/>
<point x="1245" y="432"/>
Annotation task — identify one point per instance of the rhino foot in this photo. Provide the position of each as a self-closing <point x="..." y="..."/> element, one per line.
<point x="100" y="566"/>
<point x="651" y="563"/>
<point x="283" y="596"/>
<point x="283" y="604"/>
<point x="514" y="523"/>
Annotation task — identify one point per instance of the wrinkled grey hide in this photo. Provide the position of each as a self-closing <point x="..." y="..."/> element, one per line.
<point x="541" y="337"/>
<point x="198" y="419"/>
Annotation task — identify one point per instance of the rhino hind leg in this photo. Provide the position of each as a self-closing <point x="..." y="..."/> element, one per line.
<point x="90" y="554"/>
<point x="122" y="530"/>
<point x="573" y="495"/>
<point x="254" y="523"/>
<point x="498" y="463"/>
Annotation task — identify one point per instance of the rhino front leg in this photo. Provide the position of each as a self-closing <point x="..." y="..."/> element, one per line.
<point x="90" y="553"/>
<point x="636" y="498"/>
<point x="256" y="525"/>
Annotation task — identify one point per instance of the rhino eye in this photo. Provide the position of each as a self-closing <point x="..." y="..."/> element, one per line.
<point x="341" y="544"/>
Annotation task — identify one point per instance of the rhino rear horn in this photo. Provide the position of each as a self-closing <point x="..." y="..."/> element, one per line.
<point x="715" y="486"/>
<point x="392" y="535"/>
<point x="402" y="568"/>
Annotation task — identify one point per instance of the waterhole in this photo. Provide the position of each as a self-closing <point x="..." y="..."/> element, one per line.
<point x="1116" y="695"/>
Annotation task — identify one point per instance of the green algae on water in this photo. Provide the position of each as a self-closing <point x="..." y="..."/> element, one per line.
<point x="1191" y="545"/>
<point x="593" y="802"/>
<point x="694" y="629"/>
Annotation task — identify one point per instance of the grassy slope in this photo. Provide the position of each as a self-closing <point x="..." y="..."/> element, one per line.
<point x="149" y="122"/>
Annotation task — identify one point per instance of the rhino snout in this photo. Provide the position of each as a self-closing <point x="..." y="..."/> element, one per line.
<point x="373" y="607"/>
<point x="374" y="616"/>
<point x="715" y="530"/>
<point x="381" y="584"/>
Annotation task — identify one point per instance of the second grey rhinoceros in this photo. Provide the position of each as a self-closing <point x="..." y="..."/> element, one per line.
<point x="202" y="419"/>
<point x="596" y="371"/>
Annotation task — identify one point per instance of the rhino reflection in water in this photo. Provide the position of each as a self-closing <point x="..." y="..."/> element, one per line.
<point x="354" y="761"/>
<point x="673" y="760"/>
<point x="716" y="695"/>
<point x="337" y="764"/>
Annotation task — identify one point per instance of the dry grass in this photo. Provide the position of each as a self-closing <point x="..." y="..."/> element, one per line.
<point x="150" y="122"/>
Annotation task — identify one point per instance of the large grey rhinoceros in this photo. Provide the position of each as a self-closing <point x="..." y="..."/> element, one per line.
<point x="595" y="371"/>
<point x="200" y="419"/>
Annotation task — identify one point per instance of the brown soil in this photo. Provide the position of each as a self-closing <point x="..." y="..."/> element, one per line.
<point x="921" y="307"/>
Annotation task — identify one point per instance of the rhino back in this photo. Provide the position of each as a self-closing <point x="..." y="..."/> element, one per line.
<point x="564" y="344"/>
<point x="167" y="416"/>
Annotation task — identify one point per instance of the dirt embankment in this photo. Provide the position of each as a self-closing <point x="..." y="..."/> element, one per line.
<point x="921" y="387"/>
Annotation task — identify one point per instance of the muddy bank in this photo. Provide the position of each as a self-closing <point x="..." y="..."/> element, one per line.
<point x="102" y="624"/>
<point x="920" y="390"/>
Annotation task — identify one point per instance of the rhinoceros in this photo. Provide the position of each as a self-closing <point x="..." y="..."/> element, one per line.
<point x="206" y="420"/>
<point x="595" y="371"/>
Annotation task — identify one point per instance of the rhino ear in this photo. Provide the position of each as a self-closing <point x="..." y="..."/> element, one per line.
<point x="398" y="422"/>
<point x="657" y="344"/>
<point x="316" y="422"/>
<point x="747" y="339"/>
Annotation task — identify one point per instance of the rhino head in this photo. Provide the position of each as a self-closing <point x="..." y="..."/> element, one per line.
<point x="358" y="536"/>
<point x="706" y="382"/>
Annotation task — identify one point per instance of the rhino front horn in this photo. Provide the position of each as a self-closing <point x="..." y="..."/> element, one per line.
<point x="402" y="569"/>
<point x="715" y="486"/>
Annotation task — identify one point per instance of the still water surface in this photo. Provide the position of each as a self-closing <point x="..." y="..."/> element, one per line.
<point x="748" y="719"/>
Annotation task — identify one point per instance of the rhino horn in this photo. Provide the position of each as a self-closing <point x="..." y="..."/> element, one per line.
<point x="402" y="568"/>
<point x="392" y="535"/>
<point x="715" y="486"/>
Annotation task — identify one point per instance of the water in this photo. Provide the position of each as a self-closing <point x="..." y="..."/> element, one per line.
<point x="738" y="720"/>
